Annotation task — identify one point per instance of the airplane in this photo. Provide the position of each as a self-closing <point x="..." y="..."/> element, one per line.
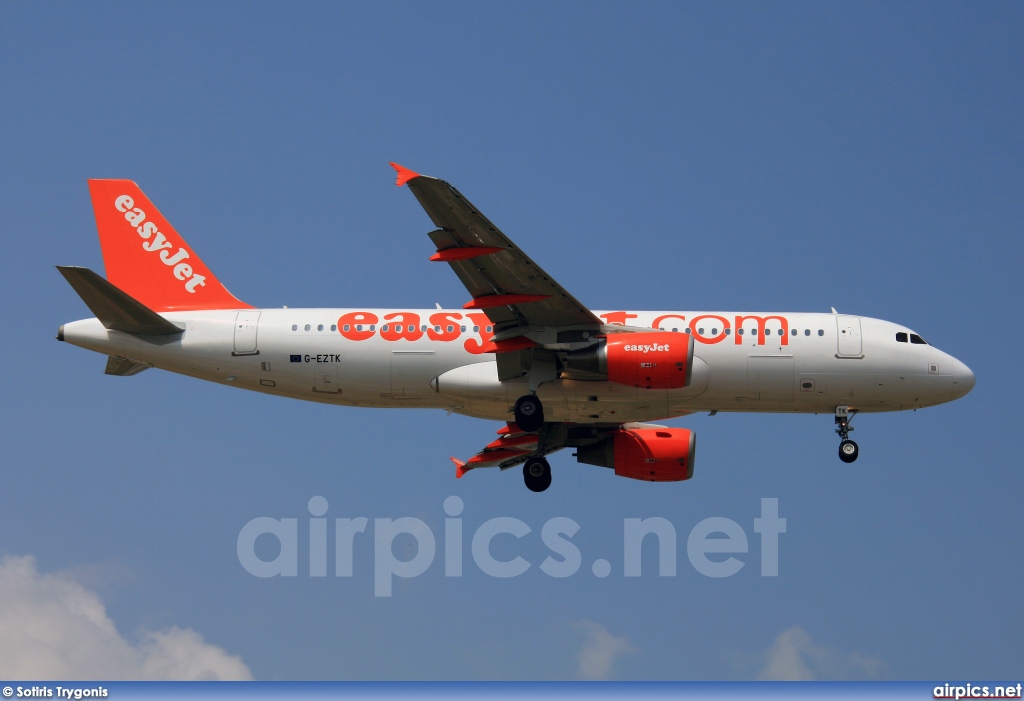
<point x="522" y="350"/>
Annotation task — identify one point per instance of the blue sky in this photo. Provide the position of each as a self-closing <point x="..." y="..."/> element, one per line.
<point x="788" y="156"/>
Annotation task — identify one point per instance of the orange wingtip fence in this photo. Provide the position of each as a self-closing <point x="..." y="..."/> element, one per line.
<point x="404" y="174"/>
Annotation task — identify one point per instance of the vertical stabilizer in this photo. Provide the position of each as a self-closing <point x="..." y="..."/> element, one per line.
<point x="146" y="258"/>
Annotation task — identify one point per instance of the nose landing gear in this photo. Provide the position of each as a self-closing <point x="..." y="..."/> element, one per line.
<point x="848" y="450"/>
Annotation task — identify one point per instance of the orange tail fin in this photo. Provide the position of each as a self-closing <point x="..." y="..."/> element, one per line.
<point x="146" y="258"/>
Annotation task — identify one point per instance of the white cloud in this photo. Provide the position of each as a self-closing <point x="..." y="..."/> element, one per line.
<point x="794" y="656"/>
<point x="52" y="627"/>
<point x="599" y="652"/>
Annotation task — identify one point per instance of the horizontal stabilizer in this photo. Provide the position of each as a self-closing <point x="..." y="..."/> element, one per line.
<point x="115" y="309"/>
<point x="124" y="367"/>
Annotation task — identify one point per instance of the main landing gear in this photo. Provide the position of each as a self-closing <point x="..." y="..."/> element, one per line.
<point x="529" y="413"/>
<point x="848" y="450"/>
<point x="537" y="474"/>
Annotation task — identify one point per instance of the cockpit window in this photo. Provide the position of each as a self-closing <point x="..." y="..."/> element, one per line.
<point x="901" y="337"/>
<point x="914" y="338"/>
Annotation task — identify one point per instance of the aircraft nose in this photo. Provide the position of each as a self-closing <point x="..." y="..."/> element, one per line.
<point x="963" y="379"/>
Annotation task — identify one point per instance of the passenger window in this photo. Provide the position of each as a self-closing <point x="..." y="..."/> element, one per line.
<point x="714" y="332"/>
<point x="437" y="329"/>
<point x="359" y="327"/>
<point x="728" y="332"/>
<point x="450" y="328"/>
<point x="489" y="329"/>
<point x="346" y="327"/>
<point x="739" y="331"/>
<point x="807" y="332"/>
<point x="901" y="337"/>
<point x="463" y="329"/>
<point x="371" y="327"/>
<point x="700" y="331"/>
<point x="794" y="332"/>
<point x="385" y="327"/>
<point x="320" y="327"/>
<point x="334" y="327"/>
<point x="295" y="327"/>
<point x="675" y="329"/>
<point x="914" y="338"/>
<point x="821" y="332"/>
<point x="307" y="327"/>
<point x="476" y="329"/>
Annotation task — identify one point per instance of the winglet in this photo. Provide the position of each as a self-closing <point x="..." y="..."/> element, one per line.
<point x="404" y="174"/>
<point x="460" y="468"/>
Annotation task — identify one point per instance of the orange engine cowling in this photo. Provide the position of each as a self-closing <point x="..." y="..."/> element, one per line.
<point x="649" y="454"/>
<point x="650" y="360"/>
<point x="659" y="360"/>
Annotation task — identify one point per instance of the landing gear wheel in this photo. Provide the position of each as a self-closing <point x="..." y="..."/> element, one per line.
<point x="529" y="413"/>
<point x="848" y="451"/>
<point x="537" y="474"/>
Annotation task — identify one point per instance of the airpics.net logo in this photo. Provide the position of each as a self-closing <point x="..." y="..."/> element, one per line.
<point x="715" y="547"/>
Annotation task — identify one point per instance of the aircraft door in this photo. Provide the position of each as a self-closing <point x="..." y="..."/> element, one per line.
<point x="246" y="326"/>
<point x="849" y="338"/>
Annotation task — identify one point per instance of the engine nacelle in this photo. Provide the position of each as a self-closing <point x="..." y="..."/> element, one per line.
<point x="650" y="360"/>
<point x="649" y="454"/>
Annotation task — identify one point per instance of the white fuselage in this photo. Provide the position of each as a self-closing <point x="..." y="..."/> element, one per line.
<point x="787" y="362"/>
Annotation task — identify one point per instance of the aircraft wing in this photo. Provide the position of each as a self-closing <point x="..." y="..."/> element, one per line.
<point x="512" y="290"/>
<point x="513" y="446"/>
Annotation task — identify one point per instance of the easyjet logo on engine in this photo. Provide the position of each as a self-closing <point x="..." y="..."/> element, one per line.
<point x="156" y="242"/>
<point x="652" y="348"/>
